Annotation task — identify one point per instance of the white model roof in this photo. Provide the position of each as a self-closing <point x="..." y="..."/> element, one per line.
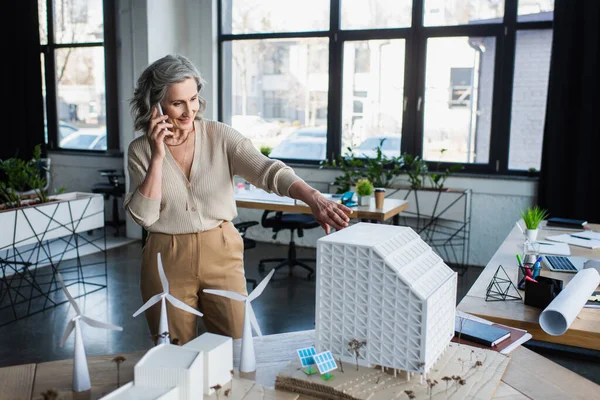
<point x="400" y="249"/>
<point x="168" y="356"/>
<point x="207" y="342"/>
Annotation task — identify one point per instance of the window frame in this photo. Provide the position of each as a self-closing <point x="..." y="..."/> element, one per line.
<point x="415" y="38"/>
<point x="110" y="79"/>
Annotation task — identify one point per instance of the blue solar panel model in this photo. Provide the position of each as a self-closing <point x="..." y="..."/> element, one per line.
<point x="307" y="356"/>
<point x="325" y="362"/>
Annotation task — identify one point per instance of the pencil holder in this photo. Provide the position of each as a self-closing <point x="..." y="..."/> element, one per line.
<point x="542" y="293"/>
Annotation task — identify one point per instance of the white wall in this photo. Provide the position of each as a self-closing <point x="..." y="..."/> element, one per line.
<point x="495" y="204"/>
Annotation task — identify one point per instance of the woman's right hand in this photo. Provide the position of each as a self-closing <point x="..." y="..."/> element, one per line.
<point x="157" y="131"/>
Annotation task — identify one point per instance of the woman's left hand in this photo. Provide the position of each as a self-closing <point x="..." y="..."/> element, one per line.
<point x="329" y="213"/>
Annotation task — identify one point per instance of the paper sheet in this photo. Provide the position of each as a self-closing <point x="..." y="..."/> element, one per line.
<point x="562" y="311"/>
<point x="570" y="239"/>
<point x="556" y="248"/>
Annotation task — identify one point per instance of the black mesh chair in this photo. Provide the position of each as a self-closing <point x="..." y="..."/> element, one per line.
<point x="115" y="188"/>
<point x="242" y="227"/>
<point x="293" y="222"/>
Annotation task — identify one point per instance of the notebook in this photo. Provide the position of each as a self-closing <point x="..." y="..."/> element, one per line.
<point x="566" y="223"/>
<point x="478" y="332"/>
<point x="594" y="301"/>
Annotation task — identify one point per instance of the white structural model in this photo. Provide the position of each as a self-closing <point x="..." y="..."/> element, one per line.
<point x="384" y="285"/>
<point x="163" y="325"/>
<point x="165" y="372"/>
<point x="218" y="359"/>
<point x="247" y="359"/>
<point x="81" y="374"/>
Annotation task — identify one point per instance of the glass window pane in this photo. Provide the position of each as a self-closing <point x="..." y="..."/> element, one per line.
<point x="78" y="21"/>
<point x="81" y="96"/>
<point x="43" y="21"/>
<point x="254" y="16"/>
<point x="276" y="94"/>
<point x="530" y="89"/>
<point x="462" y="12"/>
<point x="377" y="14"/>
<point x="459" y="83"/>
<point x="372" y="96"/>
<point x="535" y="10"/>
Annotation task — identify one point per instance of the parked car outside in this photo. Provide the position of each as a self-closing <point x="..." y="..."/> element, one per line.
<point x="390" y="147"/>
<point x="85" y="139"/>
<point x="253" y="126"/>
<point x="304" y="148"/>
<point x="310" y="132"/>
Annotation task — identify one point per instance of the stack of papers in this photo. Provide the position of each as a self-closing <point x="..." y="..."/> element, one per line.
<point x="587" y="239"/>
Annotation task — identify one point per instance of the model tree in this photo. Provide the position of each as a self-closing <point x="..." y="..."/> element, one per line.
<point x="354" y="346"/>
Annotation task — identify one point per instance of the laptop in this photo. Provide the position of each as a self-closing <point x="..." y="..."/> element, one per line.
<point x="572" y="264"/>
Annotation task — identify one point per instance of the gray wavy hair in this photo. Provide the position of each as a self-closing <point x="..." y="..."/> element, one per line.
<point x="153" y="83"/>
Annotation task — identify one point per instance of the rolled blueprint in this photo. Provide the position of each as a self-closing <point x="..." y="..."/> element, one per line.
<point x="560" y="314"/>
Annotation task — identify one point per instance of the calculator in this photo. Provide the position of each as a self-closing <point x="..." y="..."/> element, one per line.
<point x="563" y="263"/>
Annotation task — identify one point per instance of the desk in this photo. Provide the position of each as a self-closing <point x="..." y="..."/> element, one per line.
<point x="585" y="330"/>
<point x="260" y="200"/>
<point x="549" y="382"/>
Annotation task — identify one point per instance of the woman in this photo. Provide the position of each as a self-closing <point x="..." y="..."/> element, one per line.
<point x="181" y="191"/>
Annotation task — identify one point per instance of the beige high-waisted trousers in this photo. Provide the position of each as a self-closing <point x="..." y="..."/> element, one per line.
<point x="193" y="262"/>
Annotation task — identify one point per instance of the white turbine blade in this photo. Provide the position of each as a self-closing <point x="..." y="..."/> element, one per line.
<point x="226" y="293"/>
<point x="153" y="300"/>
<point x="98" y="324"/>
<point x="182" y="306"/>
<point x="253" y="319"/>
<point x="68" y="330"/>
<point x="71" y="299"/>
<point x="261" y="286"/>
<point x="161" y="273"/>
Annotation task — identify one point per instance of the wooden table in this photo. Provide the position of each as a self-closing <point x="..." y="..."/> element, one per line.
<point x="260" y="200"/>
<point x="585" y="330"/>
<point x="528" y="376"/>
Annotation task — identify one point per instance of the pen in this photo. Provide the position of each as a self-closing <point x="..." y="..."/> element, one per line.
<point x="519" y="260"/>
<point x="580" y="237"/>
<point x="537" y="267"/>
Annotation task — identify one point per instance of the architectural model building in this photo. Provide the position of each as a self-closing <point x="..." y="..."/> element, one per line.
<point x="217" y="352"/>
<point x="166" y="366"/>
<point x="131" y="391"/>
<point x="385" y="285"/>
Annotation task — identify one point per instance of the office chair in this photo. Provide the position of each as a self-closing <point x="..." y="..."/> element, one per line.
<point x="242" y="227"/>
<point x="293" y="222"/>
<point x="112" y="188"/>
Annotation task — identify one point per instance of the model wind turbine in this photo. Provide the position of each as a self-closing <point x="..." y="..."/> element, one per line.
<point x="163" y="325"/>
<point x="247" y="360"/>
<point x="81" y="374"/>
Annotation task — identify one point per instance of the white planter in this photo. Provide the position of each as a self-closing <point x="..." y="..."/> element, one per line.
<point x="364" y="200"/>
<point x="531" y="234"/>
<point x="72" y="213"/>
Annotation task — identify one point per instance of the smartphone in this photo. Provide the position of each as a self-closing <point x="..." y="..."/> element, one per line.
<point x="160" y="111"/>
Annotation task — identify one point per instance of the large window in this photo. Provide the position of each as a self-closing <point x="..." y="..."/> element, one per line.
<point x="448" y="80"/>
<point x="73" y="36"/>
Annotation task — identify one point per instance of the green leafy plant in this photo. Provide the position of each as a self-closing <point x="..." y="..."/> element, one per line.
<point x="266" y="150"/>
<point x="533" y="216"/>
<point x="416" y="168"/>
<point x="438" y="178"/>
<point x="23" y="176"/>
<point x="364" y="187"/>
<point x="380" y="170"/>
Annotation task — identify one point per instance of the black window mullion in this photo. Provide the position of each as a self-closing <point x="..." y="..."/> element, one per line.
<point x="334" y="97"/>
<point x="503" y="88"/>
<point x="50" y="67"/>
<point x="110" y="76"/>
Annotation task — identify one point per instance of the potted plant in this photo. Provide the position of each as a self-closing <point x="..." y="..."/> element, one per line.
<point x="532" y="218"/>
<point x="364" y="190"/>
<point x="266" y="150"/>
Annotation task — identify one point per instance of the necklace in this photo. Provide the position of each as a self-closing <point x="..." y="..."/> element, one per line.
<point x="182" y="165"/>
<point x="179" y="144"/>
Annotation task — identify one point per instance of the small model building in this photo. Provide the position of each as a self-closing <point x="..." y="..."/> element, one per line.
<point x="217" y="351"/>
<point x="384" y="285"/>
<point x="163" y="368"/>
